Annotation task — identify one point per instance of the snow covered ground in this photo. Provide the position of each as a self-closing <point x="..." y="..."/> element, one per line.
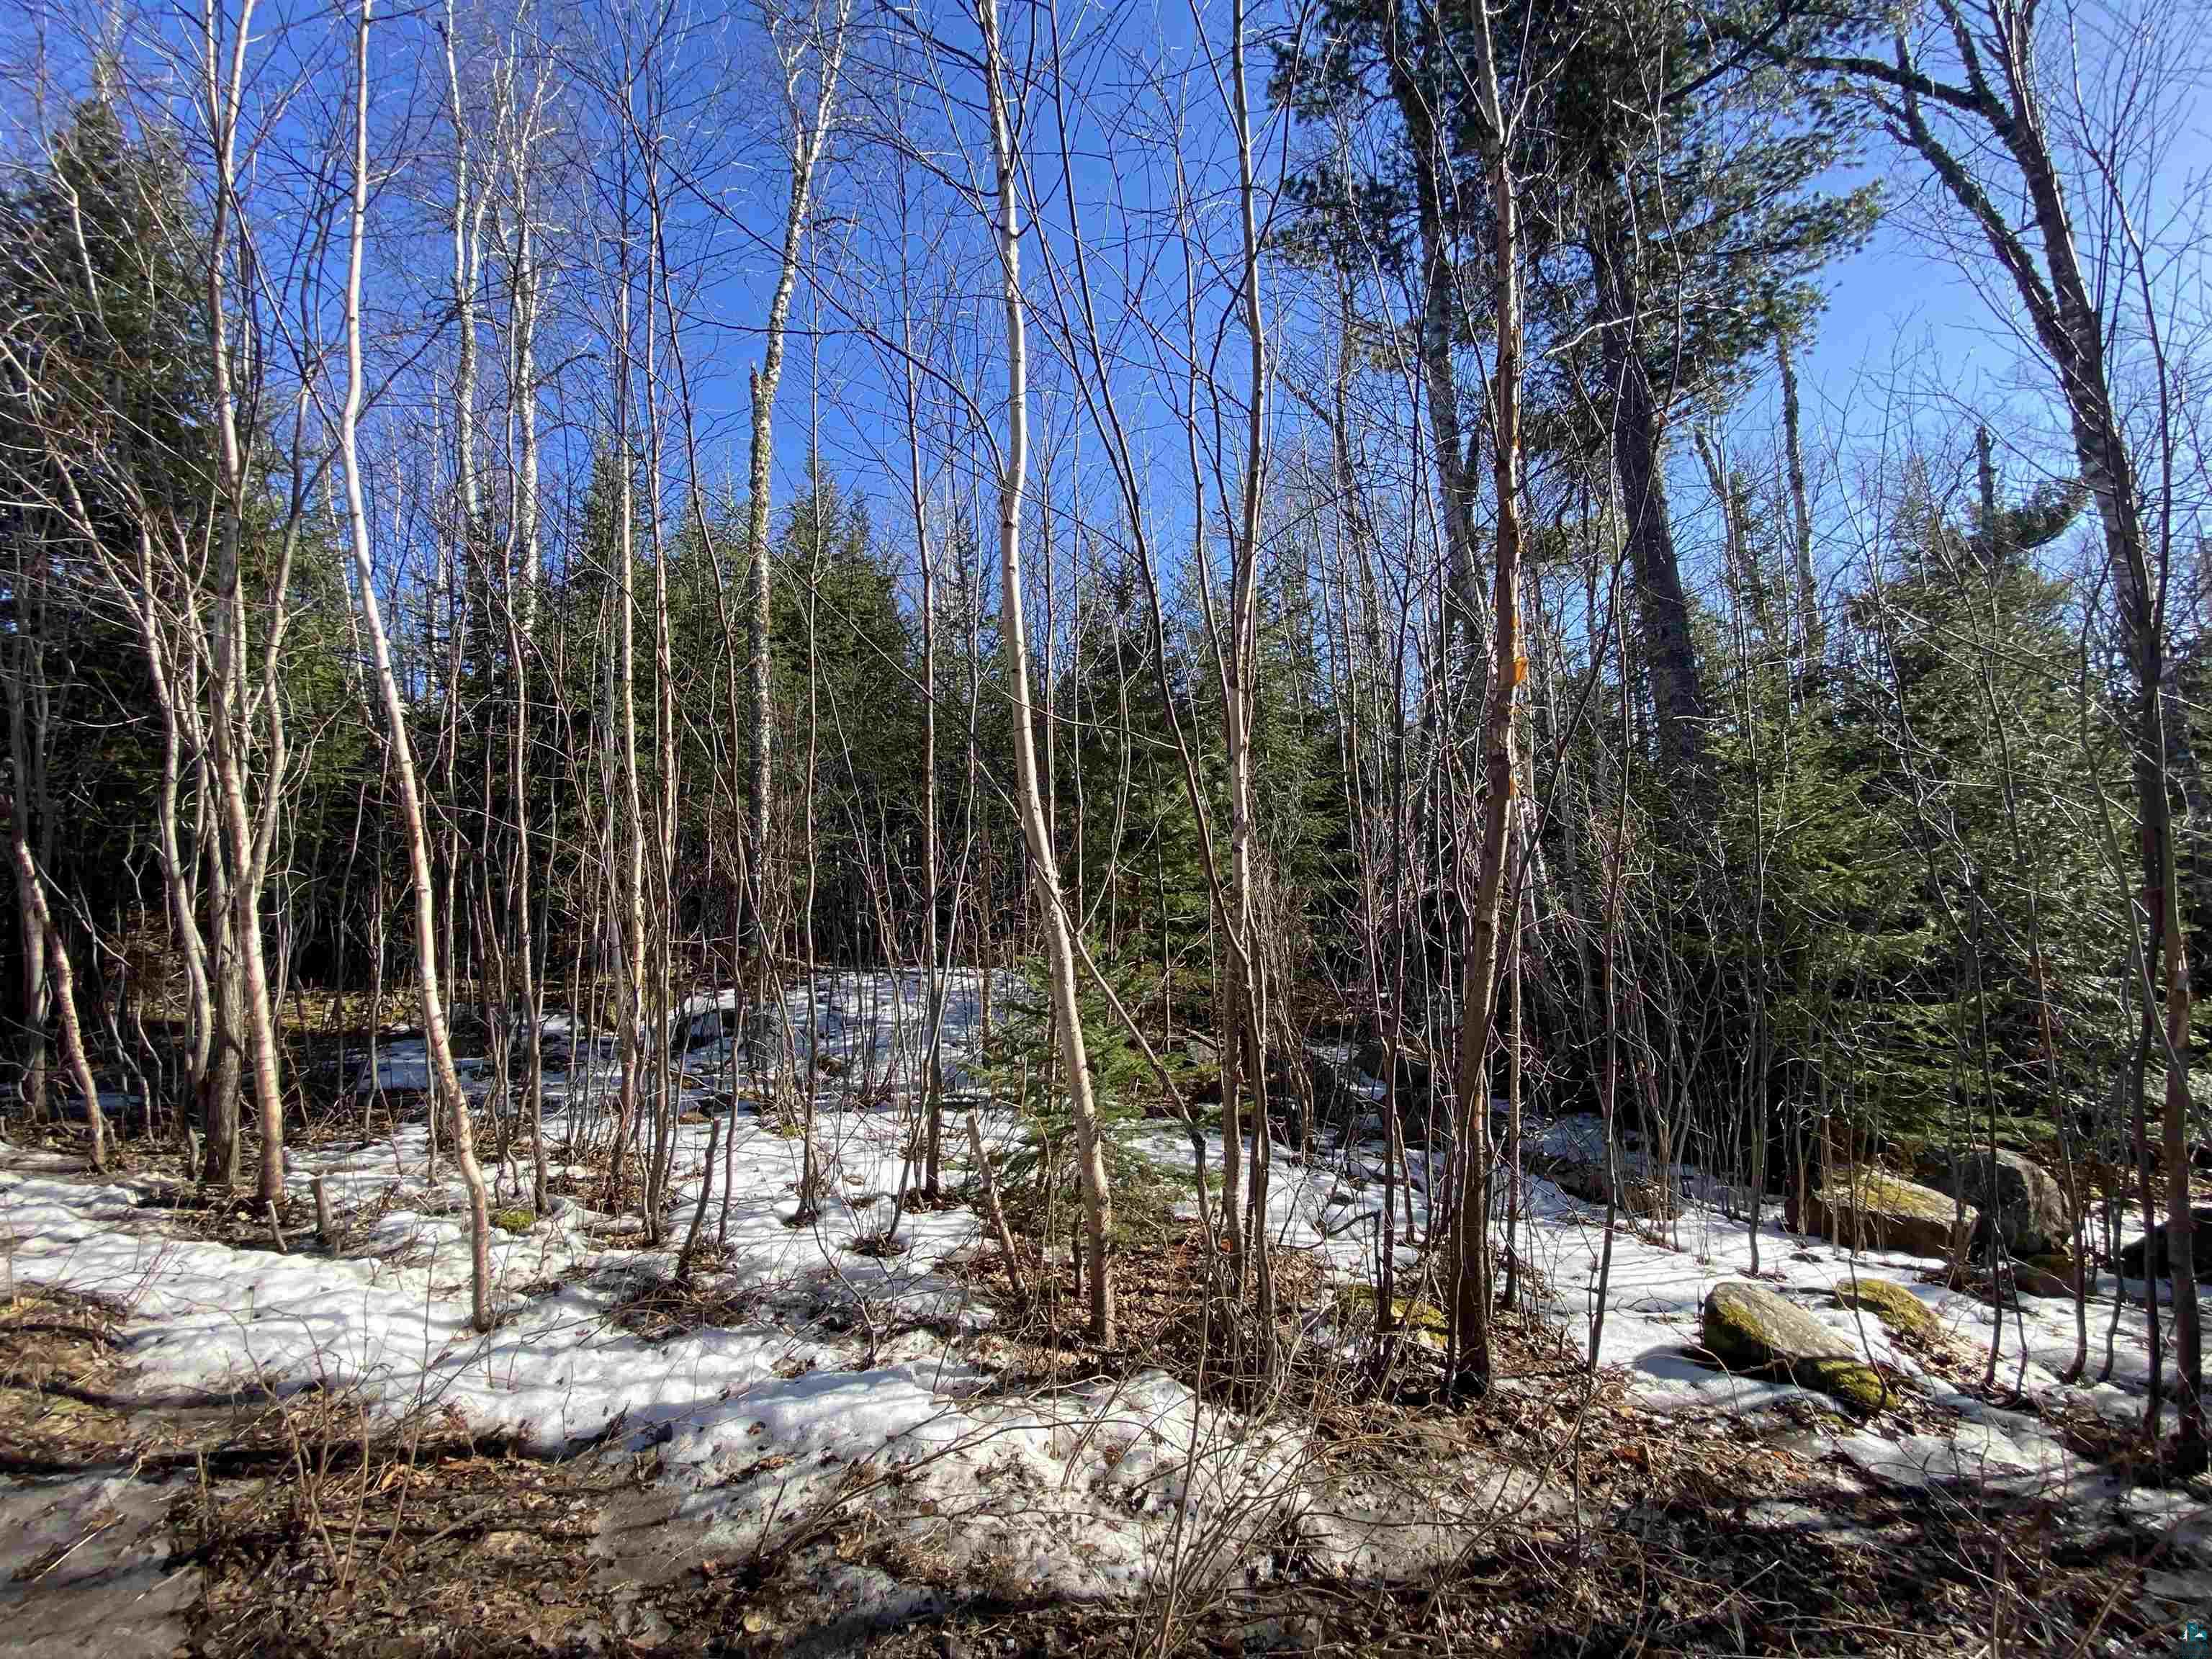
<point x="851" y="1032"/>
<point x="872" y="1379"/>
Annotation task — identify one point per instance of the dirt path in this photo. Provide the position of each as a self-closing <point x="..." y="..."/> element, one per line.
<point x="312" y="1528"/>
<point x="85" y="1567"/>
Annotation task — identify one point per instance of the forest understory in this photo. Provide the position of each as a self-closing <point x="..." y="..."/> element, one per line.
<point x="978" y="829"/>
<point x="227" y="1432"/>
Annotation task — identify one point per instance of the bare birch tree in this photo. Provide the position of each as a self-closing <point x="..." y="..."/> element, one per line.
<point x="809" y="122"/>
<point x="444" y="1080"/>
<point x="1044" y="862"/>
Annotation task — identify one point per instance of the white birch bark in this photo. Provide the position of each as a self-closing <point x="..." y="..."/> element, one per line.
<point x="809" y="132"/>
<point x="1044" y="867"/>
<point x="445" y="1081"/>
<point x="227" y="724"/>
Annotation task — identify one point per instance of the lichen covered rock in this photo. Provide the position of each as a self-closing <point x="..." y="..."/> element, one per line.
<point x="1749" y="1329"/>
<point x="1867" y="1208"/>
<point x="1897" y="1308"/>
<point x="1858" y="1385"/>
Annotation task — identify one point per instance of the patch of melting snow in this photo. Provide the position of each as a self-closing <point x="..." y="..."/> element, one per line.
<point x="858" y="1378"/>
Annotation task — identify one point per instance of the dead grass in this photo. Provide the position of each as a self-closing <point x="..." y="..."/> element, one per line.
<point x="410" y="1540"/>
<point x="1172" y="1316"/>
<point x="651" y="1302"/>
<point x="59" y="1354"/>
<point x="418" y="1548"/>
<point x="319" y="1531"/>
<point x="1684" y="1541"/>
<point x="67" y="1401"/>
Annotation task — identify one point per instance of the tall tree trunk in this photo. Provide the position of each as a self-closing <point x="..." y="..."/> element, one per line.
<point x="1508" y="666"/>
<point x="1638" y="427"/>
<point x="227" y="716"/>
<point x="1044" y="869"/>
<point x="1243" y="702"/>
<point x="461" y="547"/>
<point x="444" y="1080"/>
<point x="932" y="874"/>
<point x="631" y="914"/>
<point x="807" y="136"/>
<point x="665" y="783"/>
<point x="1812" y="628"/>
<point x="521" y="570"/>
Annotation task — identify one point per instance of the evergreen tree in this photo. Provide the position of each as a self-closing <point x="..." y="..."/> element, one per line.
<point x="1664" y="169"/>
<point x="103" y="388"/>
<point x="846" y="678"/>
<point x="1975" y="757"/>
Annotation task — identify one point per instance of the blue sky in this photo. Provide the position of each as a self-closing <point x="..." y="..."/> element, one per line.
<point x="1904" y="325"/>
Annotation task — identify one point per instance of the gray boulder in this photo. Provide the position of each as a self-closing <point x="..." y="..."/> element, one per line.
<point x="2133" y="1258"/>
<point x="2017" y="1196"/>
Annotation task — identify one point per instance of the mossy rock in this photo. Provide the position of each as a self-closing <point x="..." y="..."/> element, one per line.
<point x="1423" y="1321"/>
<point x="1859" y="1386"/>
<point x="1897" y="1308"/>
<point x="1868" y="1208"/>
<point x="514" y="1221"/>
<point x="1748" y="1328"/>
